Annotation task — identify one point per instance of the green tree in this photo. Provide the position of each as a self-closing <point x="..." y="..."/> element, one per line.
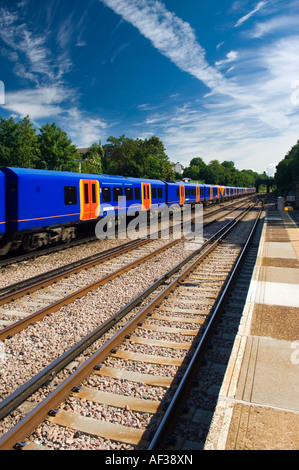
<point x="57" y="151"/>
<point x="93" y="159"/>
<point x="196" y="169"/>
<point x="18" y="143"/>
<point x="138" y="158"/>
<point x="215" y="173"/>
<point x="119" y="155"/>
<point x="287" y="170"/>
<point x="156" y="163"/>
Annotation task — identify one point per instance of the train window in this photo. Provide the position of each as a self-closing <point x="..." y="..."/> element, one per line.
<point x="13" y="187"/>
<point x="106" y="194"/>
<point x="117" y="194"/>
<point x="177" y="192"/>
<point x="129" y="194"/>
<point x="137" y="193"/>
<point x="154" y="193"/>
<point x="70" y="195"/>
<point x="93" y="193"/>
<point x="160" y="193"/>
<point x="86" y="193"/>
<point x="201" y="192"/>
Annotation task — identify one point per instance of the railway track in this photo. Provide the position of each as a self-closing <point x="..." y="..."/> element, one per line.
<point x="14" y="258"/>
<point x="184" y="311"/>
<point x="28" y="301"/>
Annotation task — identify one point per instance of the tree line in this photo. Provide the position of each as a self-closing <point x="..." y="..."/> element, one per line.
<point x="287" y="171"/>
<point x="49" y="148"/>
<point x="224" y="173"/>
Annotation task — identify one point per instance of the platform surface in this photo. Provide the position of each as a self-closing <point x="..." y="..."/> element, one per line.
<point x="258" y="405"/>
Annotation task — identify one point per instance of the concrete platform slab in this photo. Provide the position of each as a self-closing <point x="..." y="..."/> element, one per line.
<point x="278" y="274"/>
<point x="274" y="293"/>
<point x="278" y="250"/>
<point x="269" y="377"/>
<point x="280" y="262"/>
<point x="258" y="404"/>
<point x="257" y="428"/>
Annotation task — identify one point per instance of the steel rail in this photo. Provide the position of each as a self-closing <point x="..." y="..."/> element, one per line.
<point x="52" y="308"/>
<point x="27" y="425"/>
<point x="159" y="439"/>
<point x="49" y="372"/>
<point x="36" y="316"/>
<point x="81" y="241"/>
<point x="19" y="290"/>
<point x="45" y="251"/>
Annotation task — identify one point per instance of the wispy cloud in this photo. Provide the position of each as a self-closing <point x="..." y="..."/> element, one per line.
<point x="253" y="126"/>
<point x="83" y="130"/>
<point x="32" y="59"/>
<point x="172" y="36"/>
<point x="49" y="96"/>
<point x="175" y="39"/>
<point x="281" y="23"/>
<point x="246" y="17"/>
<point x="38" y="103"/>
<point x="231" y="56"/>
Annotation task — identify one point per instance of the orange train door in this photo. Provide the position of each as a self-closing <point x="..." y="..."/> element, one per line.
<point x="90" y="199"/>
<point x="146" y="196"/>
<point x="182" y="194"/>
<point x="221" y="191"/>
<point x="197" y="194"/>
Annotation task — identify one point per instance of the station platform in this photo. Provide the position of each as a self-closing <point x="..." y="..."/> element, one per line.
<point x="258" y="405"/>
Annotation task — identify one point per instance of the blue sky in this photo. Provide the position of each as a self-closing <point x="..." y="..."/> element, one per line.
<point x="217" y="79"/>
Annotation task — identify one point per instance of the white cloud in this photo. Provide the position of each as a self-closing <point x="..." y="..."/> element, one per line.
<point x="274" y="25"/>
<point x="175" y="39"/>
<point x="244" y="18"/>
<point x="33" y="60"/>
<point x="223" y="133"/>
<point x="252" y="128"/>
<point x="51" y="98"/>
<point x="83" y="130"/>
<point x="271" y="169"/>
<point x="48" y="103"/>
<point x="37" y="103"/>
<point x="231" y="56"/>
<point x="172" y="36"/>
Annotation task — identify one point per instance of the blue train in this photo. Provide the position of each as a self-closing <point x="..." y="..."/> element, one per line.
<point x="39" y="207"/>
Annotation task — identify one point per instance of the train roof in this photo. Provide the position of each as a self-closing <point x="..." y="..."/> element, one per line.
<point x="70" y="174"/>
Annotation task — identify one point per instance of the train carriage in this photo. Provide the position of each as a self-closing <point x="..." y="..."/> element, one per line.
<point x="2" y="205"/>
<point x="40" y="198"/>
<point x="211" y="192"/>
<point x="190" y="193"/>
<point x="39" y="207"/>
<point x="122" y="193"/>
<point x="175" y="193"/>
